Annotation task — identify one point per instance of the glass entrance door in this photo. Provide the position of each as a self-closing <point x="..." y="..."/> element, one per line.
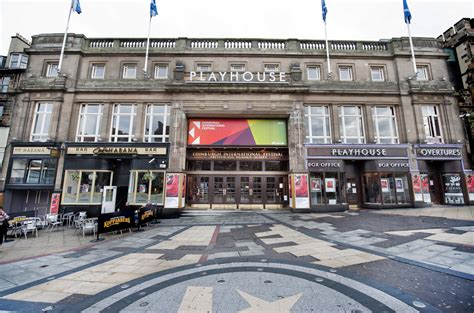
<point x="198" y="189"/>
<point x="224" y="189"/>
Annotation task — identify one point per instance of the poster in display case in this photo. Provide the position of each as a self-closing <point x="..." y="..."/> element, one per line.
<point x="384" y="184"/>
<point x="330" y="184"/>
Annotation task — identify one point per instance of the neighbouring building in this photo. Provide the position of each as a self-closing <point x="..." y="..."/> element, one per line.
<point x="236" y="124"/>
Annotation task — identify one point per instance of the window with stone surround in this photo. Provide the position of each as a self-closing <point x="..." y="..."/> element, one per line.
<point x="318" y="124"/>
<point x="90" y="118"/>
<point x="41" y="122"/>
<point x="157" y="124"/>
<point x="123" y="118"/>
<point x="351" y="124"/>
<point x="129" y="71"/>
<point x="431" y="123"/>
<point x="385" y="124"/>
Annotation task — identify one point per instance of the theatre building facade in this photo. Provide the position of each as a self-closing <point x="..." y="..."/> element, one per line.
<point x="235" y="124"/>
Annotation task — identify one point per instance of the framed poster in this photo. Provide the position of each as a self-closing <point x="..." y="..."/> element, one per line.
<point x="330" y="184"/>
<point x="54" y="206"/>
<point x="399" y="185"/>
<point x="470" y="186"/>
<point x="172" y="190"/>
<point x="316" y="184"/>
<point x="416" y="181"/>
<point x="384" y="184"/>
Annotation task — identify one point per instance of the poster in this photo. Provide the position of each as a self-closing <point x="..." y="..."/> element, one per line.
<point x="315" y="184"/>
<point x="416" y="181"/>
<point x="301" y="191"/>
<point x="237" y="132"/>
<point x="452" y="189"/>
<point x="399" y="185"/>
<point x="330" y="184"/>
<point x="172" y="190"/>
<point x="425" y="186"/>
<point x="384" y="184"/>
<point x="84" y="188"/>
<point x="54" y="206"/>
<point x="470" y="186"/>
<point x="142" y="188"/>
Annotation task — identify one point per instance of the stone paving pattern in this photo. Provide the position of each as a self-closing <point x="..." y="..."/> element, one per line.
<point x="188" y="264"/>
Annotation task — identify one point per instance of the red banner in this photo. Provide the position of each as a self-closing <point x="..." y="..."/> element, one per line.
<point x="54" y="207"/>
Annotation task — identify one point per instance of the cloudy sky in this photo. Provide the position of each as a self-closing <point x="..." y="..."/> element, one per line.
<point x="347" y="19"/>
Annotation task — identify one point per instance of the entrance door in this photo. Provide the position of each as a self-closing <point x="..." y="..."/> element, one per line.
<point x="37" y="200"/>
<point x="109" y="197"/>
<point x="224" y="189"/>
<point x="198" y="189"/>
<point x="251" y="189"/>
<point x="275" y="189"/>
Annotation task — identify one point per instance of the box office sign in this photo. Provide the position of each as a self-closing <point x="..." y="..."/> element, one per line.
<point x="325" y="165"/>
<point x="439" y="153"/>
<point x="117" y="150"/>
<point x="365" y="152"/>
<point x="393" y="165"/>
<point x="237" y="132"/>
<point x="116" y="221"/>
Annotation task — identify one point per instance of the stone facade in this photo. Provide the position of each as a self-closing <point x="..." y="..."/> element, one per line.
<point x="209" y="98"/>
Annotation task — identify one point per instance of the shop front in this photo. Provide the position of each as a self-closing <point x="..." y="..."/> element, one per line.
<point x="237" y="164"/>
<point x="442" y="177"/>
<point x="135" y="171"/>
<point x="31" y="177"/>
<point x="371" y="176"/>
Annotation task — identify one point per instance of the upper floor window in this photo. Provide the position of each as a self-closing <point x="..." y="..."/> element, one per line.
<point x="385" y="125"/>
<point x="271" y="67"/>
<point x="52" y="70"/>
<point x="318" y="125"/>
<point x="88" y="128"/>
<point x="98" y="71"/>
<point x="122" y="122"/>
<point x="351" y="124"/>
<point x="237" y="67"/>
<point x="422" y="72"/>
<point x="345" y="73"/>
<point x="431" y="124"/>
<point x="4" y="83"/>
<point x="157" y="128"/>
<point x="313" y="72"/>
<point x="377" y="73"/>
<point x="41" y="122"/>
<point x="18" y="60"/>
<point x="203" y="67"/>
<point x="129" y="71"/>
<point x="161" y="71"/>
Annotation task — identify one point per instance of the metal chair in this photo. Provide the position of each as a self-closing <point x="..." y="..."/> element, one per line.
<point x="53" y="221"/>
<point x="89" y="224"/>
<point x="29" y="226"/>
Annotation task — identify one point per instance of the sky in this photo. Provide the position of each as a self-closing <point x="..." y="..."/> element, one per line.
<point x="282" y="19"/>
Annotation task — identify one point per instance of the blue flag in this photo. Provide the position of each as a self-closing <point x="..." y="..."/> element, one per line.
<point x="153" y="9"/>
<point x="76" y="6"/>
<point x="406" y="12"/>
<point x="324" y="9"/>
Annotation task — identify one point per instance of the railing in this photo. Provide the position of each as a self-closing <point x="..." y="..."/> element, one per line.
<point x="204" y="44"/>
<point x="271" y="45"/>
<point x="132" y="43"/>
<point x="101" y="44"/>
<point x="237" y="44"/>
<point x="343" y="45"/>
<point x="312" y="45"/>
<point x="171" y="43"/>
<point x="374" y="46"/>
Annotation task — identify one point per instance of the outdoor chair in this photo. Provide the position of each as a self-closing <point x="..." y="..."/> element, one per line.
<point x="67" y="219"/>
<point x="29" y="227"/>
<point x="89" y="225"/>
<point x="53" y="221"/>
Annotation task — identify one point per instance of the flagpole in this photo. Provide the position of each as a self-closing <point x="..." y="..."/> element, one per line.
<point x="147" y="48"/>
<point x="61" y="56"/>
<point x="412" y="51"/>
<point x="327" y="50"/>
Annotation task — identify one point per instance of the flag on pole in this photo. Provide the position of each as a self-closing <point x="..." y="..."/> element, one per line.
<point x="324" y="9"/>
<point x="406" y="12"/>
<point x="153" y="9"/>
<point x="76" y="6"/>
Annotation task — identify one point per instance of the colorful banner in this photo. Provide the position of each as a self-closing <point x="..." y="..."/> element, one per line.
<point x="416" y="181"/>
<point x="172" y="191"/>
<point x="54" y="206"/>
<point x="237" y="132"/>
<point x="301" y="191"/>
<point x="470" y="186"/>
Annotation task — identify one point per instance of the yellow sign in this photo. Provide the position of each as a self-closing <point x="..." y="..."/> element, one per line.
<point x="116" y="221"/>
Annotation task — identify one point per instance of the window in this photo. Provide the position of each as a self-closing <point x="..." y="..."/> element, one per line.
<point x="313" y="72"/>
<point x="37" y="171"/>
<point x="237" y="67"/>
<point x="129" y="71"/>
<point x="385" y="125"/>
<point x="161" y="71"/>
<point x="271" y="68"/>
<point x="157" y="127"/>
<point x="377" y="73"/>
<point x="422" y="72"/>
<point x="88" y="128"/>
<point x="345" y="73"/>
<point x="431" y="124"/>
<point x="122" y="122"/>
<point x="318" y="125"/>
<point x="85" y="186"/>
<point x="98" y="71"/>
<point x="203" y="67"/>
<point x="41" y="122"/>
<point x="4" y="83"/>
<point x="351" y="127"/>
<point x="52" y="70"/>
<point x="18" y="60"/>
<point x="146" y="187"/>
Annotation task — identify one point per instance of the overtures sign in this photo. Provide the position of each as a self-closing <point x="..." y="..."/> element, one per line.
<point x="237" y="132"/>
<point x="439" y="152"/>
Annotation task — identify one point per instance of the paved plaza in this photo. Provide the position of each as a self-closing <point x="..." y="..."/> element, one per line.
<point x="417" y="260"/>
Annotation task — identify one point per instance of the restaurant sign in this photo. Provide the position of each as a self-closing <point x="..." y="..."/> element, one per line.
<point x="32" y="150"/>
<point x="116" y="221"/>
<point x="117" y="150"/>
